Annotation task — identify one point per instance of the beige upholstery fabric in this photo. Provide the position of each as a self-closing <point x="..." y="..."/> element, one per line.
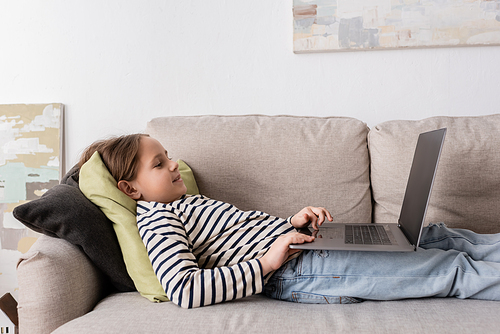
<point x="276" y="164"/>
<point x="130" y="313"/>
<point x="57" y="283"/>
<point x="466" y="191"/>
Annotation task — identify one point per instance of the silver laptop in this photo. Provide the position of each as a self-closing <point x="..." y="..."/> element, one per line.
<point x="401" y="236"/>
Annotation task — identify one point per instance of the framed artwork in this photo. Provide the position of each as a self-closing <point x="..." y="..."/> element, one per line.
<point x="31" y="162"/>
<point x="349" y="25"/>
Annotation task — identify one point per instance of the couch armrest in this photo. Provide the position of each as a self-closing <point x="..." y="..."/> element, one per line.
<point x="57" y="283"/>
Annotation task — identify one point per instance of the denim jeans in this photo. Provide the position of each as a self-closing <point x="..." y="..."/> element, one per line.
<point x="448" y="263"/>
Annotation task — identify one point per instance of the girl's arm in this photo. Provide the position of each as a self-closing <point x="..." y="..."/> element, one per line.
<point x="279" y="251"/>
<point x="314" y="216"/>
<point x="177" y="269"/>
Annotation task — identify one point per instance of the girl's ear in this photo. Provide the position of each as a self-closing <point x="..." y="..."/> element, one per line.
<point x="128" y="189"/>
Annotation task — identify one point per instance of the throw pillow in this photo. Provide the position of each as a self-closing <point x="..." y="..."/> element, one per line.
<point x="188" y="178"/>
<point x="99" y="187"/>
<point x="64" y="212"/>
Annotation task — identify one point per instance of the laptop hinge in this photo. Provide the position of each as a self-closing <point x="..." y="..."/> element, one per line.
<point x="408" y="238"/>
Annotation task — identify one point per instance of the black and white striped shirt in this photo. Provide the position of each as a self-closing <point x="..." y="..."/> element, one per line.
<point x="205" y="251"/>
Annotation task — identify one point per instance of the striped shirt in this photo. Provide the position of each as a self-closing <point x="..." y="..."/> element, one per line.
<point x="205" y="251"/>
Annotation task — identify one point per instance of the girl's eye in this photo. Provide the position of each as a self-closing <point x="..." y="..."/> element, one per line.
<point x="158" y="165"/>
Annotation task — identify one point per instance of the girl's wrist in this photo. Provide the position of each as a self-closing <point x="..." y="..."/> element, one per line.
<point x="266" y="268"/>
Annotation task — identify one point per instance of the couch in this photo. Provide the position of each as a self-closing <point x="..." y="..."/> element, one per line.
<point x="279" y="164"/>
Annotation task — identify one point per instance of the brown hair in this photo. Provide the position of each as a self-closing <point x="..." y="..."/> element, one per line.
<point x="119" y="154"/>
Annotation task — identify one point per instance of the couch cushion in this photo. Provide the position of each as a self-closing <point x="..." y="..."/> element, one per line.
<point x="129" y="313"/>
<point x="277" y="164"/>
<point x="466" y="190"/>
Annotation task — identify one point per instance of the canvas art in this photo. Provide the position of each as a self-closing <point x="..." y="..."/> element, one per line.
<point x="348" y="25"/>
<point x="31" y="159"/>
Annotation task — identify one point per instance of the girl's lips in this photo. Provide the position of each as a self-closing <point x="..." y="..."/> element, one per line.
<point x="178" y="178"/>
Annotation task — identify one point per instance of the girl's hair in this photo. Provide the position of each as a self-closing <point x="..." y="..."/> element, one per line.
<point x="119" y="154"/>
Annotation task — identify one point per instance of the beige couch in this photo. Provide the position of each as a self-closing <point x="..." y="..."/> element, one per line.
<point x="280" y="164"/>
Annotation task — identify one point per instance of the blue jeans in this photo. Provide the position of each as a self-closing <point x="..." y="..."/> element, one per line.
<point x="449" y="263"/>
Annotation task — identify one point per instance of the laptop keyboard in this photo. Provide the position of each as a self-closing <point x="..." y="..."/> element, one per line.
<point x="367" y="234"/>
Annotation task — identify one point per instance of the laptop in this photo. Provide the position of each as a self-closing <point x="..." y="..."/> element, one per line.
<point x="401" y="236"/>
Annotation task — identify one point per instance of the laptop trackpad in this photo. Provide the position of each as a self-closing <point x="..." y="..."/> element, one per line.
<point x="330" y="232"/>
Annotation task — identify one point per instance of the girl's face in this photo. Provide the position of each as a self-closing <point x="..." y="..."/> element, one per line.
<point x="158" y="178"/>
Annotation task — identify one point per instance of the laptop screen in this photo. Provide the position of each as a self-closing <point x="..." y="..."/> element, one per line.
<point x="420" y="181"/>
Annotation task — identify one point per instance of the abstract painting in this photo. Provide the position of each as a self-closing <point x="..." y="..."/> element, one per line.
<point x="31" y="138"/>
<point x="348" y="25"/>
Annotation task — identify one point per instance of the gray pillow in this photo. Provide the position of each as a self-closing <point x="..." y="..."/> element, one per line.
<point x="64" y="212"/>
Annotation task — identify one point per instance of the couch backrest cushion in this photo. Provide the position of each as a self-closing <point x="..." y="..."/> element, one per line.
<point x="466" y="192"/>
<point x="275" y="164"/>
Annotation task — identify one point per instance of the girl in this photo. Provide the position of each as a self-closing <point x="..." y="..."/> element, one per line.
<point x="205" y="251"/>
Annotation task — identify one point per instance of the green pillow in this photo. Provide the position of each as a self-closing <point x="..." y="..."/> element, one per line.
<point x="100" y="187"/>
<point x="188" y="178"/>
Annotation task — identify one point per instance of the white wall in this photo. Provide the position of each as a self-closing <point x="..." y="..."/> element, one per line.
<point x="116" y="64"/>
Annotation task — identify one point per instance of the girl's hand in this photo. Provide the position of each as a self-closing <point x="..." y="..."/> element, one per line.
<point x="311" y="215"/>
<point x="280" y="251"/>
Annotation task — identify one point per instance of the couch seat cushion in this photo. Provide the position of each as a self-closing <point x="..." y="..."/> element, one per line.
<point x="130" y="313"/>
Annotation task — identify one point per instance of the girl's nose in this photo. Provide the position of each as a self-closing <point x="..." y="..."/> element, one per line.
<point x="173" y="165"/>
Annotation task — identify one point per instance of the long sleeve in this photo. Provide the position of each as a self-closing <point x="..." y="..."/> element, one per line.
<point x="205" y="251"/>
<point x="177" y="269"/>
